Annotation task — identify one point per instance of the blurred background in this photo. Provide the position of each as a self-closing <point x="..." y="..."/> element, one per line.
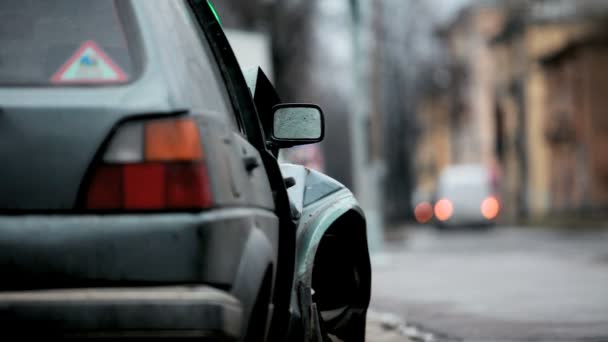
<point x="410" y="87"/>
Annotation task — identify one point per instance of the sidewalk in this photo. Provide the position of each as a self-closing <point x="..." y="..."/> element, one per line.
<point x="565" y="222"/>
<point x="386" y="327"/>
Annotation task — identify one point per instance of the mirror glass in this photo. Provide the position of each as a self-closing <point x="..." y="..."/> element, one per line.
<point x="297" y="123"/>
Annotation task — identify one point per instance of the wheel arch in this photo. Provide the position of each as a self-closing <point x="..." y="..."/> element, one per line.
<point x="350" y="229"/>
<point x="338" y="269"/>
<point x="344" y="217"/>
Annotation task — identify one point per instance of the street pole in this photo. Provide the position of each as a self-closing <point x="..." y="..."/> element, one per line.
<point x="365" y="177"/>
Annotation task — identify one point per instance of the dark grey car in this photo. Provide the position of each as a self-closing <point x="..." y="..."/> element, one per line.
<point x="137" y="196"/>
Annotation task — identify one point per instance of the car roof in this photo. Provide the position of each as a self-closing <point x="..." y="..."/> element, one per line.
<point x="456" y="169"/>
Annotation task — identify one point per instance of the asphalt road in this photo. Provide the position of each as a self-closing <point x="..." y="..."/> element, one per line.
<point x="507" y="284"/>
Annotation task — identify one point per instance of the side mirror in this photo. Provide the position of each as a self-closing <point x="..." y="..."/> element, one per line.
<point x="297" y="124"/>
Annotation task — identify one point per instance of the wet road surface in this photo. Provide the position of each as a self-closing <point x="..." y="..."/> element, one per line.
<point x="505" y="284"/>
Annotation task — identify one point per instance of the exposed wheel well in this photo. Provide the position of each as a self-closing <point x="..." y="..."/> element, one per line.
<point x="341" y="276"/>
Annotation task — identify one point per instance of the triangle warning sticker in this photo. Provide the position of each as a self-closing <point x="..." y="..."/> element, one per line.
<point x="89" y="64"/>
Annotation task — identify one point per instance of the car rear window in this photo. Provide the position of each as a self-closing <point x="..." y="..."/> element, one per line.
<point x="65" y="42"/>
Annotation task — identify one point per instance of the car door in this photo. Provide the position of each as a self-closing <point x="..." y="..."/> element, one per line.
<point x="256" y="144"/>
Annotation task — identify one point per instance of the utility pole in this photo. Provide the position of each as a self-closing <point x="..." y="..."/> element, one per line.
<point x="365" y="175"/>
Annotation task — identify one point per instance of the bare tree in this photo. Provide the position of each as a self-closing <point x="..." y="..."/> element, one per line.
<point x="408" y="50"/>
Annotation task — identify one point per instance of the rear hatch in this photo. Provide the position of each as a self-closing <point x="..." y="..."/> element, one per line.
<point x="59" y="60"/>
<point x="46" y="152"/>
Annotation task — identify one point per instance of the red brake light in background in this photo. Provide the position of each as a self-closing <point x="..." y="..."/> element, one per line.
<point x="423" y="212"/>
<point x="443" y="209"/>
<point x="152" y="165"/>
<point x="490" y="207"/>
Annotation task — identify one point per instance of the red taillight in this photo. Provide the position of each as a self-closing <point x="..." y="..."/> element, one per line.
<point x="143" y="186"/>
<point x="188" y="186"/>
<point x="423" y="212"/>
<point x="155" y="165"/>
<point x="105" y="191"/>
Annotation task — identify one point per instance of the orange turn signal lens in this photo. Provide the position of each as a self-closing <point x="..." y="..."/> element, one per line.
<point x="444" y="209"/>
<point x="172" y="139"/>
<point x="490" y="207"/>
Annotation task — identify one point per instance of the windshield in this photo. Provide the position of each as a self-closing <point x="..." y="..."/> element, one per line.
<point x="64" y="42"/>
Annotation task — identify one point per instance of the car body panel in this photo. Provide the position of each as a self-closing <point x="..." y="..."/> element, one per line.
<point x="178" y="311"/>
<point x="229" y="249"/>
<point x="46" y="251"/>
<point x="317" y="218"/>
<point x="318" y="203"/>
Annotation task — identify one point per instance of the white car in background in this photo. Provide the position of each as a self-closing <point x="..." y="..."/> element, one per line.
<point x="466" y="196"/>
